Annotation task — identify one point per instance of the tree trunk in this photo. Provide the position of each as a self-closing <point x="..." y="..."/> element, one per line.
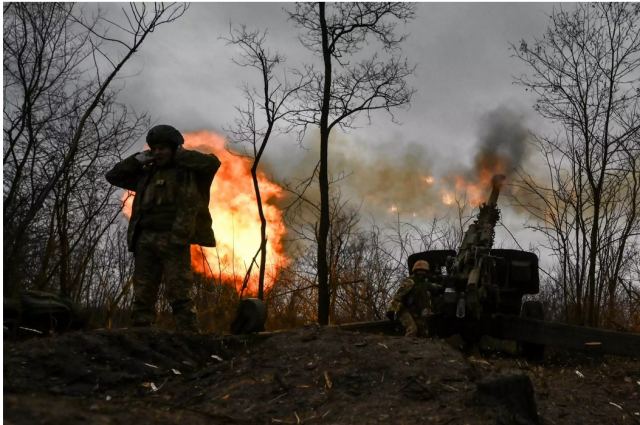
<point x="263" y="231"/>
<point x="323" y="177"/>
<point x="63" y="235"/>
<point x="594" y="247"/>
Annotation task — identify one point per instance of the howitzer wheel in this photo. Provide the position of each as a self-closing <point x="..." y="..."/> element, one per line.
<point x="532" y="310"/>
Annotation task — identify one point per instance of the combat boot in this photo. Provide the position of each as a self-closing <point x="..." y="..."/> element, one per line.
<point x="143" y="313"/>
<point x="142" y="318"/>
<point x="186" y="323"/>
<point x="185" y="316"/>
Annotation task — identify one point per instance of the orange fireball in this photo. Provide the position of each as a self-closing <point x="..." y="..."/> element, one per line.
<point x="235" y="218"/>
<point x="475" y="189"/>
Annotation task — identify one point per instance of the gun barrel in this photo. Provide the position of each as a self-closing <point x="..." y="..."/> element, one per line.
<point x="496" y="184"/>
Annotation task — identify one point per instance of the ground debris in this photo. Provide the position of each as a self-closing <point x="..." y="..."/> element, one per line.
<point x="311" y="375"/>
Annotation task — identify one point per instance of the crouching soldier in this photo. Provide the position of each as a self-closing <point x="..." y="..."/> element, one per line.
<point x="411" y="304"/>
<point x="170" y="212"/>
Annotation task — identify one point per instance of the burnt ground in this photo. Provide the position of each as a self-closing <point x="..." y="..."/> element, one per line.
<point x="308" y="375"/>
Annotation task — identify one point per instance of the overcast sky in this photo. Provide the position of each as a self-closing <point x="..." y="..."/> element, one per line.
<point x="184" y="73"/>
<point x="184" y="76"/>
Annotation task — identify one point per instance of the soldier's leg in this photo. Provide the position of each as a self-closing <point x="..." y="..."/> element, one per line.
<point x="146" y="280"/>
<point x="422" y="326"/>
<point x="410" y="327"/>
<point x="178" y="281"/>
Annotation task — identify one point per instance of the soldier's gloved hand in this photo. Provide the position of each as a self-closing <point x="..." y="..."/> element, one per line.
<point x="144" y="157"/>
<point x="392" y="315"/>
<point x="180" y="157"/>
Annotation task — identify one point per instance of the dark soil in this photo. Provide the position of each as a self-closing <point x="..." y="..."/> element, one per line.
<point x="309" y="375"/>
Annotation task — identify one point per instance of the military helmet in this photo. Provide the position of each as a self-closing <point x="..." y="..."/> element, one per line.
<point x="164" y="134"/>
<point x="420" y="265"/>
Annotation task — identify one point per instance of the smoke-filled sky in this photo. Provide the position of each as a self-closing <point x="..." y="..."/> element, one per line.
<point x="465" y="101"/>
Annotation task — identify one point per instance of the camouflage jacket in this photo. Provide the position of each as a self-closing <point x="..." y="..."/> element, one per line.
<point x="193" y="174"/>
<point x="413" y="294"/>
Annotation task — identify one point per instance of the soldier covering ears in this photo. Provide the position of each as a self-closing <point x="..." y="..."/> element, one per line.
<point x="170" y="212"/>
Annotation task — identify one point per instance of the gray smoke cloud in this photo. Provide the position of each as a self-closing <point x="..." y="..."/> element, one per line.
<point x="391" y="177"/>
<point x="503" y="141"/>
<point x="501" y="148"/>
<point x="399" y="177"/>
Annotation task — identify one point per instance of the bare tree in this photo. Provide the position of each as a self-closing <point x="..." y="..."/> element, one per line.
<point x="62" y="123"/>
<point x="342" y="90"/>
<point x="109" y="288"/>
<point x="366" y="261"/>
<point x="584" y="71"/>
<point x="265" y="108"/>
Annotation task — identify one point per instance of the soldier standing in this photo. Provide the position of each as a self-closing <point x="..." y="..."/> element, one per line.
<point x="170" y="212"/>
<point x="412" y="302"/>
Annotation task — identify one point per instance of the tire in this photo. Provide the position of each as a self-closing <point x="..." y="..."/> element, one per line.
<point x="510" y="304"/>
<point x="532" y="310"/>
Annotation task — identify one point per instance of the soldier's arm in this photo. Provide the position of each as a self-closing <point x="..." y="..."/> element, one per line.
<point x="435" y="287"/>
<point x="403" y="290"/>
<point x="126" y="173"/>
<point x="405" y="287"/>
<point x="198" y="162"/>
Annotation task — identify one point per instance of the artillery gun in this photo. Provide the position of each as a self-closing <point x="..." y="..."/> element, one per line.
<point x="481" y="293"/>
<point x="477" y="281"/>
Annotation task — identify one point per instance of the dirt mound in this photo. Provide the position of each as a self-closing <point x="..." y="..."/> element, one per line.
<point x="309" y="375"/>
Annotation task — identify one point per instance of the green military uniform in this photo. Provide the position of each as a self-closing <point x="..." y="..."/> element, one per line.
<point x="169" y="213"/>
<point x="412" y="304"/>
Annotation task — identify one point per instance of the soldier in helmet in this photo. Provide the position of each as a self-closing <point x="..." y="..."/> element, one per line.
<point x="169" y="213"/>
<point x="412" y="302"/>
